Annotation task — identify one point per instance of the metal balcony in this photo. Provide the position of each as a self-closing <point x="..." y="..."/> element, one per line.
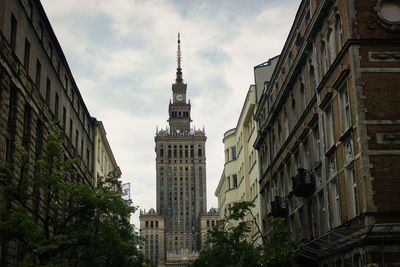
<point x="279" y="207"/>
<point x="303" y="183"/>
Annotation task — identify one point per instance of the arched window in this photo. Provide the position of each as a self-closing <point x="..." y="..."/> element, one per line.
<point x="312" y="79"/>
<point x="338" y="33"/>
<point x="286" y="122"/>
<point x="357" y="262"/>
<point x="323" y="58"/>
<point x="302" y="96"/>
<point x="279" y="135"/>
<point x="331" y="45"/>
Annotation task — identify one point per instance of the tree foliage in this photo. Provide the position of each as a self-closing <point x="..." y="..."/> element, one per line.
<point x="229" y="242"/>
<point x="56" y="219"/>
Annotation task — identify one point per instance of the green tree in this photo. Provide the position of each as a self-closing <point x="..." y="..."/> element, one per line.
<point x="229" y="243"/>
<point x="279" y="244"/>
<point x="56" y="219"/>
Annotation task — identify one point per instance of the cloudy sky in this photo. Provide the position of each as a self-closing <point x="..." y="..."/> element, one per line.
<point x="122" y="54"/>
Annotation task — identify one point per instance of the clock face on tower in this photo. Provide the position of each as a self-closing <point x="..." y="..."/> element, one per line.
<point x="179" y="97"/>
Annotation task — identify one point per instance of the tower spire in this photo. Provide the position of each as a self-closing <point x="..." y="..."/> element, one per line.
<point x="179" y="70"/>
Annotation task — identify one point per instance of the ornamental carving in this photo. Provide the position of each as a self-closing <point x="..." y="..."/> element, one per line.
<point x="387" y="14"/>
<point x="387" y="56"/>
<point x="388" y="137"/>
<point x="332" y="165"/>
<point x="348" y="150"/>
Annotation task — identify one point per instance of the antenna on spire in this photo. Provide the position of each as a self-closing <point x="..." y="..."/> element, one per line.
<point x="179" y="57"/>
<point x="179" y="51"/>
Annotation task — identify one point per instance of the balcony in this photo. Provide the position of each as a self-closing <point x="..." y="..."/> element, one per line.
<point x="279" y="207"/>
<point x="303" y="183"/>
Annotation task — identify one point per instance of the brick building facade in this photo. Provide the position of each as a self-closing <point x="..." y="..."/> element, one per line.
<point x="329" y="133"/>
<point x="37" y="87"/>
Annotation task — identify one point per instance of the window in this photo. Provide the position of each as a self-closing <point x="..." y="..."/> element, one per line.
<point x="234" y="181"/>
<point x="294" y="115"/>
<point x="357" y="261"/>
<point x="76" y="138"/>
<point x="336" y="202"/>
<point x="27" y="54"/>
<point x="279" y="135"/>
<point x="11" y="108"/>
<point x="289" y="176"/>
<point x="322" y="212"/>
<point x="323" y="59"/>
<point x="302" y="97"/>
<point x="66" y="82"/>
<point x="329" y="134"/>
<point x="38" y="73"/>
<point x="354" y="190"/>
<point x="40" y="31"/>
<point x="50" y="51"/>
<point x="273" y="146"/>
<point x="48" y="88"/>
<point x="27" y="124"/>
<point x="64" y="118"/>
<point x="13" y="32"/>
<point x="313" y="85"/>
<point x="306" y="155"/>
<point x="339" y="263"/>
<point x="345" y="114"/>
<point x="7" y="150"/>
<point x="199" y="152"/>
<point x="233" y="153"/>
<point x="87" y="157"/>
<point x="71" y="126"/>
<point x="339" y="33"/>
<point x="316" y="144"/>
<point x="226" y="155"/>
<point x="56" y="103"/>
<point x="301" y="220"/>
<point x="29" y="9"/>
<point x="331" y="45"/>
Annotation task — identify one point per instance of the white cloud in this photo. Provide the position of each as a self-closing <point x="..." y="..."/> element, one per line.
<point x="123" y="56"/>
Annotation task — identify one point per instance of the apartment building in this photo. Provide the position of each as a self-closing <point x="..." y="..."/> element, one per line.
<point x="239" y="180"/>
<point x="328" y="133"/>
<point x="104" y="162"/>
<point x="37" y="87"/>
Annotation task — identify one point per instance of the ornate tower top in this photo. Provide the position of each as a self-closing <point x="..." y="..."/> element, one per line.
<point x="179" y="70"/>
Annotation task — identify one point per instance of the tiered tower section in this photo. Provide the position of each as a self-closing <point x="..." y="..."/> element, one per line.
<point x="181" y="177"/>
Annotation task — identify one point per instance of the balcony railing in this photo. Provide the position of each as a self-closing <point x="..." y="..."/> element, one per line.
<point x="279" y="207"/>
<point x="303" y="183"/>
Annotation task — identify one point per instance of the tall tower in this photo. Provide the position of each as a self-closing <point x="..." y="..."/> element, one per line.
<point x="181" y="177"/>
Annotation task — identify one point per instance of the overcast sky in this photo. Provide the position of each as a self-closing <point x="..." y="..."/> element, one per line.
<point x="122" y="54"/>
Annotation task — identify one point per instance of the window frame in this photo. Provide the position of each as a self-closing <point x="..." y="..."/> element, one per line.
<point x="345" y="107"/>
